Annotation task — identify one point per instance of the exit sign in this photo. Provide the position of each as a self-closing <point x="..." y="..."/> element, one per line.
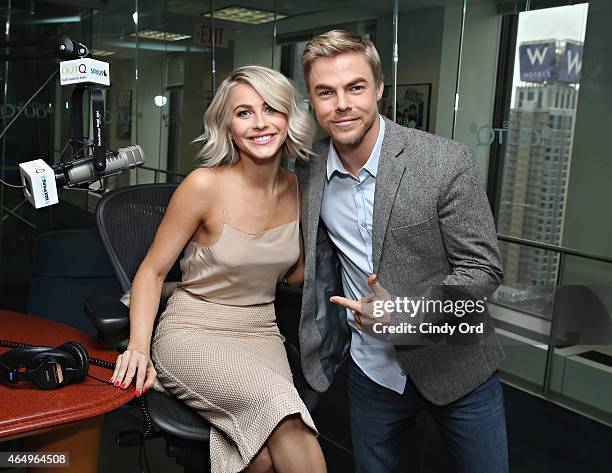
<point x="204" y="35"/>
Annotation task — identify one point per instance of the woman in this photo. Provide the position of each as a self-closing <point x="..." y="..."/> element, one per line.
<point x="217" y="346"/>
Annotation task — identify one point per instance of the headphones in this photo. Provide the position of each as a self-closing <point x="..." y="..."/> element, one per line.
<point x="46" y="367"/>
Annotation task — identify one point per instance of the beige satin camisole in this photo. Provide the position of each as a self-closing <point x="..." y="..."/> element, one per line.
<point x="241" y="268"/>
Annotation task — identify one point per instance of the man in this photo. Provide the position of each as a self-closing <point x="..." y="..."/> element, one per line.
<point x="387" y="209"/>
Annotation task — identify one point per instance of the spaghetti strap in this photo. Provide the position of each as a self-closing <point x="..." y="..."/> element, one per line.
<point x="297" y="196"/>
<point x="221" y="189"/>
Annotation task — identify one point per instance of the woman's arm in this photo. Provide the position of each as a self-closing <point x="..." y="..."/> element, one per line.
<point x="188" y="208"/>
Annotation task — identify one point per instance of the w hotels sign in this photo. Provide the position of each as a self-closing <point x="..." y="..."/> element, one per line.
<point x="571" y="63"/>
<point x="543" y="61"/>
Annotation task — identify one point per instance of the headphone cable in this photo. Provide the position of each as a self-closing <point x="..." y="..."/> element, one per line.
<point x="148" y="422"/>
<point x="92" y="361"/>
<point x="9" y="344"/>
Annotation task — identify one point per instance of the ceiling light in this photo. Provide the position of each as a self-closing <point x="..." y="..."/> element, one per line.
<point x="160" y="35"/>
<point x="101" y="53"/>
<point x="48" y="21"/>
<point x="245" y="15"/>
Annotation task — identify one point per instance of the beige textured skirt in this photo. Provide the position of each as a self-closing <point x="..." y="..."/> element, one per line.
<point x="230" y="365"/>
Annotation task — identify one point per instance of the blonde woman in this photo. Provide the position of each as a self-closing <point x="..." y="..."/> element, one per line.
<point x="217" y="346"/>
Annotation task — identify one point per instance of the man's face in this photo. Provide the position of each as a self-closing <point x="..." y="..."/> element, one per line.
<point x="344" y="95"/>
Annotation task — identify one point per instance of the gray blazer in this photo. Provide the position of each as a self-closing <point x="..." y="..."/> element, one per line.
<point x="432" y="225"/>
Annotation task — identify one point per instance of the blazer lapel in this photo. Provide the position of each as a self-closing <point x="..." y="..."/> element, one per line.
<point x="390" y="171"/>
<point x="316" y="184"/>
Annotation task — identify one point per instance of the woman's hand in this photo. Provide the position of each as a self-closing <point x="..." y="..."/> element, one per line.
<point x="135" y="364"/>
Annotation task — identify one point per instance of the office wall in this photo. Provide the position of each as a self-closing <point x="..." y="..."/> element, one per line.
<point x="420" y="34"/>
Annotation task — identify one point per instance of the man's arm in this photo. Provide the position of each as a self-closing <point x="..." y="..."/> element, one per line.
<point x="468" y="230"/>
<point x="470" y="239"/>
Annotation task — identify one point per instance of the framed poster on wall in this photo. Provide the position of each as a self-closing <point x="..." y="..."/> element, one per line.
<point x="413" y="101"/>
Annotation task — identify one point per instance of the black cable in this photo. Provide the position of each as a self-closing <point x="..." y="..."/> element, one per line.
<point x="14" y="186"/>
<point x="11" y="185"/>
<point x="84" y="143"/>
<point x="140" y="458"/>
<point x="148" y="427"/>
<point x="147" y="421"/>
<point x="92" y="361"/>
<point x="11" y="344"/>
<point x="142" y="455"/>
<point x="52" y="76"/>
<point x="146" y="459"/>
<point x="98" y="379"/>
<point x="63" y="150"/>
<point x="28" y="102"/>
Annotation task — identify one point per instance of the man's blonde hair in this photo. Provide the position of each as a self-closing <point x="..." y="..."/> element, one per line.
<point x="276" y="90"/>
<point x="337" y="42"/>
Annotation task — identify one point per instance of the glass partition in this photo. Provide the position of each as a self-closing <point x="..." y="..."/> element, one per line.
<point x="525" y="84"/>
<point x="534" y="108"/>
<point x="40" y="131"/>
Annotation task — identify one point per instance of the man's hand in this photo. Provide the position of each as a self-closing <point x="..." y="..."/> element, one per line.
<point x="364" y="307"/>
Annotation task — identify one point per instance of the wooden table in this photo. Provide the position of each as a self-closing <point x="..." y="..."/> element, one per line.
<point x="68" y="419"/>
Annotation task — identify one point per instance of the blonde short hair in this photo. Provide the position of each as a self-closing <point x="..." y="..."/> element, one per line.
<point x="276" y="90"/>
<point x="337" y="42"/>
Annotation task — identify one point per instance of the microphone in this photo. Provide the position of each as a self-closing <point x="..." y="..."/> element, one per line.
<point x="41" y="180"/>
<point x="83" y="171"/>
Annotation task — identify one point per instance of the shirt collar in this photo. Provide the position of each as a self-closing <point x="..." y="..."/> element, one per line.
<point x="371" y="166"/>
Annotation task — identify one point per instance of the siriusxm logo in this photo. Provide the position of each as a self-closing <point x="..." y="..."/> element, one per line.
<point x="83" y="71"/>
<point x="43" y="181"/>
<point x="98" y="72"/>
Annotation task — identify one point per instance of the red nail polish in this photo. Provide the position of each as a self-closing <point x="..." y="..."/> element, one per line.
<point x="137" y="393"/>
<point x="116" y="384"/>
<point x="110" y="380"/>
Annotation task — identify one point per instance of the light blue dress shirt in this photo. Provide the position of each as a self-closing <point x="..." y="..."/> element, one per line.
<point x="346" y="210"/>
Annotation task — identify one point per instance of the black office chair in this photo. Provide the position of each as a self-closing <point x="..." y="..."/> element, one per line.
<point x="127" y="220"/>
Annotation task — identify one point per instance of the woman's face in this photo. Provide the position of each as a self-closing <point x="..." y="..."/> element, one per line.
<point x="257" y="129"/>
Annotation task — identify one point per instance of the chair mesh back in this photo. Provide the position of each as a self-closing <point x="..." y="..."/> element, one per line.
<point x="127" y="220"/>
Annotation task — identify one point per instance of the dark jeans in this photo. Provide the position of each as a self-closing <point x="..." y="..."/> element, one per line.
<point x="473" y="427"/>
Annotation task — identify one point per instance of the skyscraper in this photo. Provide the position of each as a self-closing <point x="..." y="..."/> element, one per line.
<point x="538" y="145"/>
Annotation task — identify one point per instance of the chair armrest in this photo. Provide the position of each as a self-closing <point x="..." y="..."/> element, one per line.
<point x="107" y="314"/>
